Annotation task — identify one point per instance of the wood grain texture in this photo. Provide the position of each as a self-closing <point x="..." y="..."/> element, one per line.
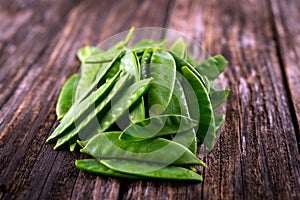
<point x="256" y="156"/>
<point x="257" y="150"/>
<point x="287" y="34"/>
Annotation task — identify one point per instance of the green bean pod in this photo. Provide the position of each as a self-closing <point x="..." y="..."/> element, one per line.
<point x="95" y="167"/>
<point x="76" y="111"/>
<point x="91" y="118"/>
<point x="158" y="126"/>
<point x="163" y="71"/>
<point x="129" y="64"/>
<point x="107" y="145"/>
<point x="206" y="130"/>
<point x="150" y="170"/>
<point x="123" y="102"/>
<point x="66" y="97"/>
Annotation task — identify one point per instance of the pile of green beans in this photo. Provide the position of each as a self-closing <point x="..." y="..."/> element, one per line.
<point x="141" y="111"/>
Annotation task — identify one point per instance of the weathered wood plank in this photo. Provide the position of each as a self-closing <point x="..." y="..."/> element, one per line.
<point x="256" y="155"/>
<point x="29" y="167"/>
<point x="287" y="33"/>
<point x="26" y="109"/>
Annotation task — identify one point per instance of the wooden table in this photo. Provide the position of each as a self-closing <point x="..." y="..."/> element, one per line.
<point x="257" y="154"/>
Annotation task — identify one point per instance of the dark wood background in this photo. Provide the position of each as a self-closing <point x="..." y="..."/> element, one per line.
<point x="257" y="154"/>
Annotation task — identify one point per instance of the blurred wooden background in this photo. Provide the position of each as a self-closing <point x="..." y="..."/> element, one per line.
<point x="257" y="154"/>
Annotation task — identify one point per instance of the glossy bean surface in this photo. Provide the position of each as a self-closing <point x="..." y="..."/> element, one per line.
<point x="163" y="71"/>
<point x="66" y="96"/>
<point x="76" y="111"/>
<point x="123" y="102"/>
<point x="158" y="126"/>
<point x="108" y="145"/>
<point x="151" y="170"/>
<point x="206" y="130"/>
<point x="91" y="119"/>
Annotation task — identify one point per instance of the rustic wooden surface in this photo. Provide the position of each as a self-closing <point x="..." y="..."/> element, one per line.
<point x="257" y="154"/>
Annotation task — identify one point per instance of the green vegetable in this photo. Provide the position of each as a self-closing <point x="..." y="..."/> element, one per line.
<point x="212" y="67"/>
<point x="65" y="99"/>
<point x="72" y="145"/>
<point x="109" y="55"/>
<point x="142" y="110"/>
<point x="115" y="167"/>
<point x="142" y="45"/>
<point x="101" y="74"/>
<point x="91" y="117"/>
<point x="181" y="62"/>
<point x="206" y="130"/>
<point x="84" y="53"/>
<point x="123" y="102"/>
<point x="94" y="166"/>
<point x="180" y="106"/>
<point x="158" y="126"/>
<point x="131" y="66"/>
<point x="163" y="71"/>
<point x="144" y="67"/>
<point x="107" y="145"/>
<point x="87" y="76"/>
<point x="75" y="113"/>
<point x="218" y="97"/>
<point x="179" y="47"/>
<point x="151" y="170"/>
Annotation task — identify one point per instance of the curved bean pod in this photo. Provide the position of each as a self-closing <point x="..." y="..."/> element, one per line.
<point x="65" y="99"/>
<point x="163" y="71"/>
<point x="100" y="75"/>
<point x="179" y="47"/>
<point x="212" y="67"/>
<point x="218" y="97"/>
<point x="76" y="111"/>
<point x="129" y="64"/>
<point x="121" y="103"/>
<point x="206" y="130"/>
<point x="107" y="145"/>
<point x="158" y="126"/>
<point x="90" y="120"/>
<point x="94" y="166"/>
<point x="151" y="170"/>
<point x="179" y="102"/>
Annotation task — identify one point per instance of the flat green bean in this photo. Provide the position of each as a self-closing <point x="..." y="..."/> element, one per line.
<point x="180" y="62"/>
<point x="66" y="96"/>
<point x="179" y="47"/>
<point x="76" y="111"/>
<point x="212" y="67"/>
<point x="85" y="52"/>
<point x="180" y="106"/>
<point x="130" y="64"/>
<point x="94" y="166"/>
<point x="109" y="55"/>
<point x="158" y="126"/>
<point x="151" y="170"/>
<point x="107" y="145"/>
<point x="88" y="74"/>
<point x="140" y="109"/>
<point x="142" y="45"/>
<point x="218" y="97"/>
<point x="144" y="66"/>
<point x="91" y="117"/>
<point x="123" y="102"/>
<point x="163" y="70"/>
<point x="206" y="130"/>
<point x="101" y="74"/>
